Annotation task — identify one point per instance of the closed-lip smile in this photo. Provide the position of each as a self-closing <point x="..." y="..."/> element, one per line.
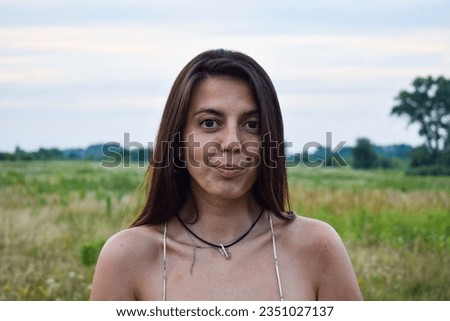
<point x="229" y="171"/>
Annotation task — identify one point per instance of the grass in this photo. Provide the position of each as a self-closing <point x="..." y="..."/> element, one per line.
<point x="50" y="212"/>
<point x="396" y="227"/>
<point x="56" y="215"/>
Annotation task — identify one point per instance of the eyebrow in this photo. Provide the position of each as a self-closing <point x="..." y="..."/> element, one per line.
<point x="219" y="113"/>
<point x="208" y="111"/>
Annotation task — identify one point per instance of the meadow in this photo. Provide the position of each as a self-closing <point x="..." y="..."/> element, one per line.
<point x="55" y="216"/>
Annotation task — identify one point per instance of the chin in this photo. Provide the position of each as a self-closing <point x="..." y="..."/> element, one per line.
<point x="222" y="184"/>
<point x="230" y="192"/>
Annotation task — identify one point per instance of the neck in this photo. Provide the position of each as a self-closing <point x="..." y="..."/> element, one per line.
<point x="220" y="221"/>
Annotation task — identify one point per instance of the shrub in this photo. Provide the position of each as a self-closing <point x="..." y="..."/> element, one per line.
<point x="90" y="252"/>
<point x="430" y="170"/>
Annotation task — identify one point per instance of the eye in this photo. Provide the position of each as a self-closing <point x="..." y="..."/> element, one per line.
<point x="209" y="123"/>
<point x="253" y="124"/>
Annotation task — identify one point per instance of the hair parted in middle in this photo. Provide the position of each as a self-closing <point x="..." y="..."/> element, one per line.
<point x="169" y="182"/>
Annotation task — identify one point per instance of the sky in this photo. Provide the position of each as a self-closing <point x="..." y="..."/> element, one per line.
<point x="76" y="73"/>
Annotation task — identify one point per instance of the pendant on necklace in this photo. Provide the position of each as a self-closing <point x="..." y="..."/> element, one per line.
<point x="224" y="252"/>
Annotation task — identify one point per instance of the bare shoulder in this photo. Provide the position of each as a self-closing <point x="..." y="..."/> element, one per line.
<point x="329" y="264"/>
<point x="121" y="260"/>
<point x="138" y="241"/>
<point x="309" y="233"/>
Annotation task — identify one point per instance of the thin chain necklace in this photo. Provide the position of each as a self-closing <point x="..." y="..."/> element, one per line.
<point x="194" y="253"/>
<point x="223" y="248"/>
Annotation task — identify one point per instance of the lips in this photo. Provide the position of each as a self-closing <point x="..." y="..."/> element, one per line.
<point x="229" y="171"/>
<point x="228" y="164"/>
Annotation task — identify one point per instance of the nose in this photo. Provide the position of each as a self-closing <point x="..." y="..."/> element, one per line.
<point x="231" y="141"/>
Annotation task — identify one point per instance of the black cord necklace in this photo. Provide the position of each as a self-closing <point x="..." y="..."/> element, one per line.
<point x="223" y="247"/>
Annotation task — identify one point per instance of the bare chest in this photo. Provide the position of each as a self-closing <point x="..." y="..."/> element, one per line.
<point x="245" y="276"/>
<point x="206" y="275"/>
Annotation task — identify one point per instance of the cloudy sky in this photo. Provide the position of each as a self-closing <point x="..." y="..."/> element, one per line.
<point x="74" y="73"/>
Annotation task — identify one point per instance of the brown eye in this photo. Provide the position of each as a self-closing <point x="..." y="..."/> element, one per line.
<point x="253" y="124"/>
<point x="208" y="123"/>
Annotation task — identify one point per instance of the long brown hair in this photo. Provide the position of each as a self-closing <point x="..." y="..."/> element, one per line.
<point x="169" y="182"/>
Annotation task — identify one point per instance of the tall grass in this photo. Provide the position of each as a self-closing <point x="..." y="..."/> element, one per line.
<point x="50" y="212"/>
<point x="396" y="227"/>
<point x="56" y="215"/>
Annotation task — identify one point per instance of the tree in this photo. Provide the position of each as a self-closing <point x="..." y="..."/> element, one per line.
<point x="364" y="156"/>
<point x="429" y="106"/>
<point x="421" y="156"/>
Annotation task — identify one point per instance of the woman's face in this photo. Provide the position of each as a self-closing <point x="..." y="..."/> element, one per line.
<point x="222" y="138"/>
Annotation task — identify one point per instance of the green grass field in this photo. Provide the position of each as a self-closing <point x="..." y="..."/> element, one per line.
<point x="56" y="215"/>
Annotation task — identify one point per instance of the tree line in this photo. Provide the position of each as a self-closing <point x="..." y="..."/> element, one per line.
<point x="97" y="152"/>
<point x="427" y="104"/>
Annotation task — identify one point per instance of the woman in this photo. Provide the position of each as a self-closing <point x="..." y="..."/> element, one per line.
<point x="215" y="226"/>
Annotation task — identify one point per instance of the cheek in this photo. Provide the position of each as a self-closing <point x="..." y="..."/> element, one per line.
<point x="191" y="150"/>
<point x="193" y="157"/>
<point x="252" y="154"/>
<point x="212" y="155"/>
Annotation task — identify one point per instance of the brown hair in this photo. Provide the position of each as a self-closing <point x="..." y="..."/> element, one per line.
<point x="169" y="183"/>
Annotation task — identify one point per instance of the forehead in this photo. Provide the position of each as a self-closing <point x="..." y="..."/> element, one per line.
<point x="222" y="93"/>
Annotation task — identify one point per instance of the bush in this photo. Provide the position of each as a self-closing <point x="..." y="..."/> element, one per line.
<point x="90" y="252"/>
<point x="364" y="156"/>
<point x="444" y="159"/>
<point x="384" y="163"/>
<point x="421" y="156"/>
<point x="429" y="170"/>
